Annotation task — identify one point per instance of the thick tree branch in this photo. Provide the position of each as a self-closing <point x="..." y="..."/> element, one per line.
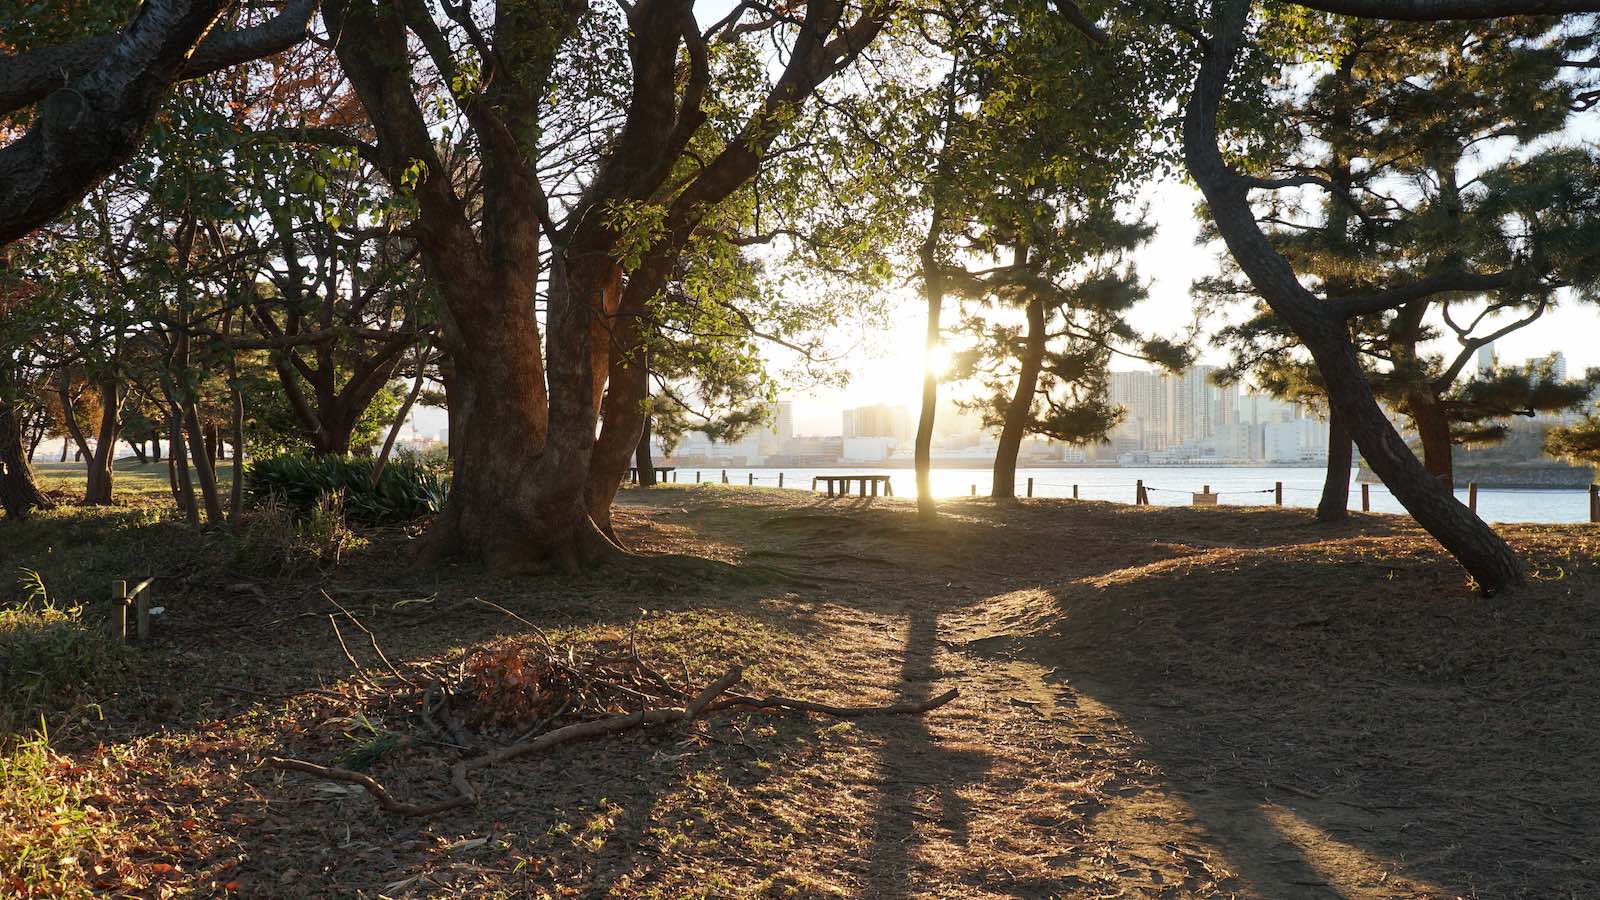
<point x="1427" y="286"/>
<point x="94" y="100"/>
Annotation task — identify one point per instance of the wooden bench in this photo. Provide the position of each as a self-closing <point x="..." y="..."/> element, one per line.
<point x="843" y="483"/>
<point x="661" y="474"/>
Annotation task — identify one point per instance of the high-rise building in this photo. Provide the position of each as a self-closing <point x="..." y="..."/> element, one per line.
<point x="781" y="431"/>
<point x="880" y="420"/>
<point x="1195" y="406"/>
<point x="1557" y="361"/>
<point x="783" y="423"/>
<point x="1486" y="358"/>
<point x="1144" y="396"/>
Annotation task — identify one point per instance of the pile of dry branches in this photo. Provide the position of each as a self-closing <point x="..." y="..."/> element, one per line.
<point x="527" y="688"/>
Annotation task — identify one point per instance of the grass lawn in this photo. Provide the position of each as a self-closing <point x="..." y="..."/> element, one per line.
<point x="1154" y="702"/>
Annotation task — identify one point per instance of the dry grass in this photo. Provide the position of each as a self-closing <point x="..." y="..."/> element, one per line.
<point x="1155" y="702"/>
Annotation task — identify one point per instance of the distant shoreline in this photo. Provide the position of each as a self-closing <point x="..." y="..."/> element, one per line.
<point x="989" y="464"/>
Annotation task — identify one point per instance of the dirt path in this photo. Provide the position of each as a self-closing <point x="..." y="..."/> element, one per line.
<point x="1154" y="703"/>
<point x="1187" y="704"/>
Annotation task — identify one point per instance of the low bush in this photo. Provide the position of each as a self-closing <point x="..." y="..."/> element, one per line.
<point x="50" y="659"/>
<point x="281" y="541"/>
<point x="407" y="489"/>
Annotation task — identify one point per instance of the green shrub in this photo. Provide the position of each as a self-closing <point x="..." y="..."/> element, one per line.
<point x="280" y="541"/>
<point x="406" y="490"/>
<point x="49" y="658"/>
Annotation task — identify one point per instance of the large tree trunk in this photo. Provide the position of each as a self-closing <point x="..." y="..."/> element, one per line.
<point x="520" y="433"/>
<point x="19" y="493"/>
<point x="520" y="462"/>
<point x="1335" y="503"/>
<point x="1482" y="552"/>
<point x="1020" y="410"/>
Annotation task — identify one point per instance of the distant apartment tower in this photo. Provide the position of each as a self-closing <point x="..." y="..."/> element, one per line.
<point x="1557" y="362"/>
<point x="1197" y="407"/>
<point x="778" y="435"/>
<point x="1144" y="396"/>
<point x="1486" y="358"/>
<point x="880" y="420"/>
<point x="783" y="422"/>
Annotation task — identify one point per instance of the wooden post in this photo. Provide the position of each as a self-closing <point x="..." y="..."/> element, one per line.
<point x="1472" y="496"/>
<point x="974" y="490"/>
<point x="724" y="476"/>
<point x="119" y="611"/>
<point x="752" y="479"/>
<point x="1138" y="492"/>
<point x="1030" y="487"/>
<point x="674" y="476"/>
<point x="1594" y="502"/>
<point x="780" y="479"/>
<point x="141" y="616"/>
<point x="1074" y="492"/>
<point x="1366" y="497"/>
<point x="696" y="476"/>
<point x="1277" y="492"/>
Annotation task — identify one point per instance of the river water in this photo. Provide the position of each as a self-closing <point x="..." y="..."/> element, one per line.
<point x="1173" y="485"/>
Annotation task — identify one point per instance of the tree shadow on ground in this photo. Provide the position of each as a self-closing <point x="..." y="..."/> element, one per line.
<point x="1341" y="720"/>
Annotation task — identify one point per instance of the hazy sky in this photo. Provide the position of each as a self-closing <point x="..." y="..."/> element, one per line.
<point x="888" y="369"/>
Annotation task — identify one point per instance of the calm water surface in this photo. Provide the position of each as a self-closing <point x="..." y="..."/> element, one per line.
<point x="1172" y="486"/>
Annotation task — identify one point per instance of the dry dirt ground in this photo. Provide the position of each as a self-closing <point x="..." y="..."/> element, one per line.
<point x="1154" y="703"/>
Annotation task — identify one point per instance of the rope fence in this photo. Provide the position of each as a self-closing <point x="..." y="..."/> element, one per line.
<point x="1141" y="491"/>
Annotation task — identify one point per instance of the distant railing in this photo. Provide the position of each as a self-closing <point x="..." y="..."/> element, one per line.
<point x="1141" y="491"/>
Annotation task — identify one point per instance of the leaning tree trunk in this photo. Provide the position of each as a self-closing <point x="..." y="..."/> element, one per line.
<point x="643" y="463"/>
<point x="1487" y="557"/>
<point x="1335" y="503"/>
<point x="19" y="493"/>
<point x="1020" y="410"/>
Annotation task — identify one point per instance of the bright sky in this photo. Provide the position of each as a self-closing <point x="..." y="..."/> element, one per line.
<point x="889" y="369"/>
